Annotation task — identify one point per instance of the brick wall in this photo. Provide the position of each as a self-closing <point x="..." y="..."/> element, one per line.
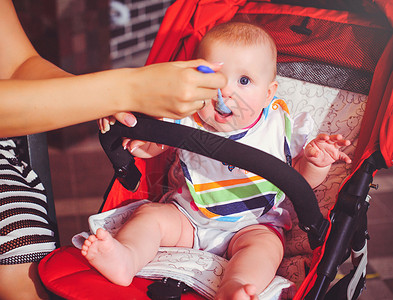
<point x="73" y="34"/>
<point x="83" y="27"/>
<point x="39" y="19"/>
<point x="135" y="38"/>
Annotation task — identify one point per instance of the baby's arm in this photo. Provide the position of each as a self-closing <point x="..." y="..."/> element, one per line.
<point x="318" y="157"/>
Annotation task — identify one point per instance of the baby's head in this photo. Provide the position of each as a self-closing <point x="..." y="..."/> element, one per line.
<point x="249" y="58"/>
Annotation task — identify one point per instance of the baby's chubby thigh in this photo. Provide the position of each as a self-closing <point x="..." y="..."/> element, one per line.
<point x="174" y="228"/>
<point x="255" y="236"/>
<point x="255" y="252"/>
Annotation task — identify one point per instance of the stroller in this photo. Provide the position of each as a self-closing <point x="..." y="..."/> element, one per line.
<point x="335" y="61"/>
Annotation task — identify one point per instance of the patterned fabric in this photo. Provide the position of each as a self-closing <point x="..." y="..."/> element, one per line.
<point x="226" y="193"/>
<point x="26" y="234"/>
<point x="333" y="111"/>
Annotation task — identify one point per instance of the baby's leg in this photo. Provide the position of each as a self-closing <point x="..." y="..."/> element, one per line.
<point x="255" y="254"/>
<point x="151" y="226"/>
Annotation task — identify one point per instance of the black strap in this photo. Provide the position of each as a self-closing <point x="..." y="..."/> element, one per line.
<point x="207" y="144"/>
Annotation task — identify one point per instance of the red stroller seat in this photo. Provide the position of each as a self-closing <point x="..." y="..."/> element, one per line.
<point x="321" y="40"/>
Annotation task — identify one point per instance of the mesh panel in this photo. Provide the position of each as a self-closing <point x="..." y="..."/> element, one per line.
<point x="342" y="55"/>
<point x="327" y="75"/>
<point x="359" y="6"/>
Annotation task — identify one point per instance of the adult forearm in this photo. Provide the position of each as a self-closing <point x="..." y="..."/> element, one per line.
<point x="30" y="106"/>
<point x="171" y="90"/>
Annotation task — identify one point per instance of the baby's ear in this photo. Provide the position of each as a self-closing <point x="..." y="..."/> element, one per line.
<point x="271" y="91"/>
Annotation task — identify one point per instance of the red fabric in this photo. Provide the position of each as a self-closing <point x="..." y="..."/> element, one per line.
<point x="180" y="34"/>
<point x="376" y="130"/>
<point x="387" y="7"/>
<point x="332" y="40"/>
<point x="152" y="170"/>
<point x="68" y="274"/>
<point x="184" y="24"/>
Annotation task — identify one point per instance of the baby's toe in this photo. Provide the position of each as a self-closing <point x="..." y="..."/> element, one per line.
<point x="91" y="239"/>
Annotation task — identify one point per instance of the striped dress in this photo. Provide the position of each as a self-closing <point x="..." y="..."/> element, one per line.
<point x="26" y="233"/>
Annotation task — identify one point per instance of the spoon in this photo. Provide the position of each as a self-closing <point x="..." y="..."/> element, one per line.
<point x="221" y="108"/>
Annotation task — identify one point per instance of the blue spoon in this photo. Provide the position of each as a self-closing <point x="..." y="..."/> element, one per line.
<point x="220" y="105"/>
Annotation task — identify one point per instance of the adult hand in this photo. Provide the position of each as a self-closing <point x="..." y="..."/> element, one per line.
<point x="174" y="89"/>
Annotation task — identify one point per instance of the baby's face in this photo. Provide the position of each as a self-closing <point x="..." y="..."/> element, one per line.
<point x="249" y="89"/>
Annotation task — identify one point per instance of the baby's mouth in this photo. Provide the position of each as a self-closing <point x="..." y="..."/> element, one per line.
<point x="223" y="118"/>
<point x="223" y="114"/>
<point x="220" y="106"/>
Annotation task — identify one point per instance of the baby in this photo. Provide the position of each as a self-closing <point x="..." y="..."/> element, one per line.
<point x="217" y="207"/>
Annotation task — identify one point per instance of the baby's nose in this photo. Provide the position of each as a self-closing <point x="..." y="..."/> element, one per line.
<point x="226" y="92"/>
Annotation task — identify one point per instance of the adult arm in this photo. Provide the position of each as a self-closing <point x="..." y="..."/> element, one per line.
<point x="38" y="96"/>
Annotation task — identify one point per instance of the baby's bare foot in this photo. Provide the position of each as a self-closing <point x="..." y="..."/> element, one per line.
<point x="234" y="290"/>
<point x="109" y="257"/>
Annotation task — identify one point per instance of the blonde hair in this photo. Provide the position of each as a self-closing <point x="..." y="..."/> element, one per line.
<point x="240" y="33"/>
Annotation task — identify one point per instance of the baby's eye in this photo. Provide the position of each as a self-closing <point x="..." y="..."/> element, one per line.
<point x="244" y="80"/>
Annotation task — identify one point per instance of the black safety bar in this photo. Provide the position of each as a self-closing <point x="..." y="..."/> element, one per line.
<point x="207" y="144"/>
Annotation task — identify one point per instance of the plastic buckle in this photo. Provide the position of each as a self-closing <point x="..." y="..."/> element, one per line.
<point x="316" y="232"/>
<point x="129" y="176"/>
<point x="166" y="289"/>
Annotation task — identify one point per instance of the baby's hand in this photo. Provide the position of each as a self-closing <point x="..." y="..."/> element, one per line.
<point x="125" y="118"/>
<point x="325" y="150"/>
<point x="104" y="124"/>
